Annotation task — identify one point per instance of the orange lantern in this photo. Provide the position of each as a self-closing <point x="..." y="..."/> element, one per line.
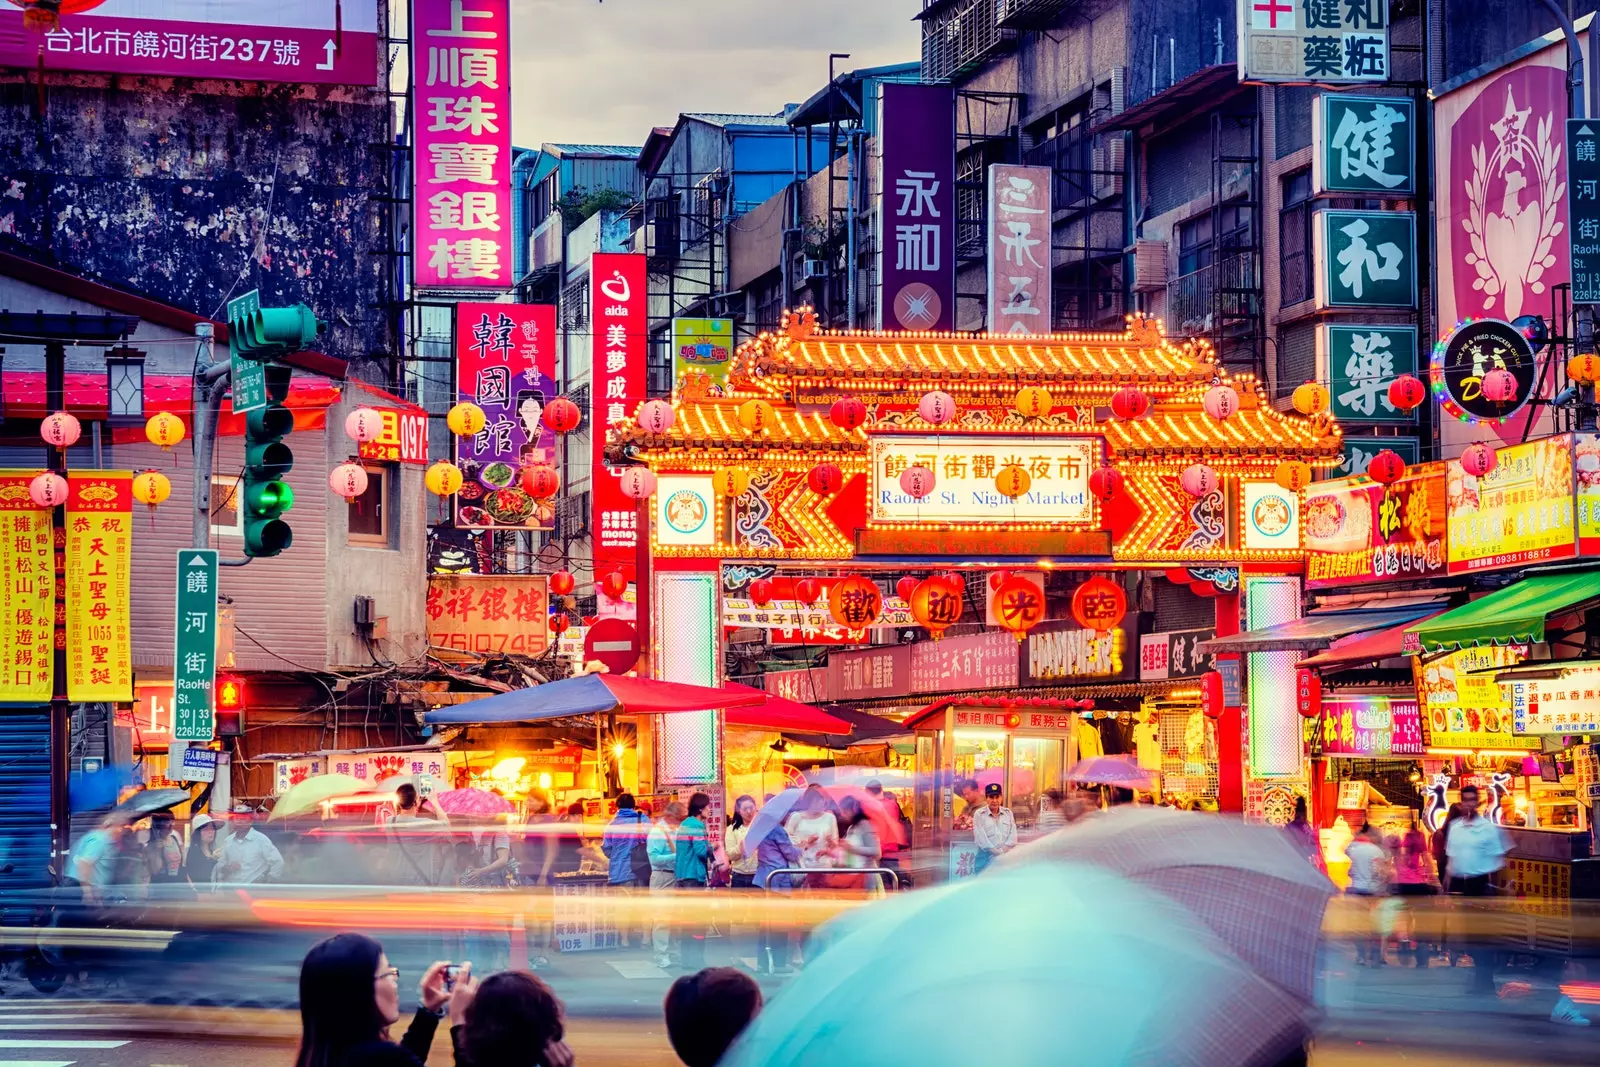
<point x="1099" y="604"/>
<point x="936" y="604"/>
<point x="164" y="429"/>
<point x="540" y="481"/>
<point x="855" y="602"/>
<point x="1013" y="480"/>
<point x="562" y="583"/>
<point x="1019" y="606"/>
<point x="757" y="415"/>
<point x="1584" y="368"/>
<point x="1034" y="401"/>
<point x="1293" y="475"/>
<point x="1311" y="398"/>
<point x="731" y="481"/>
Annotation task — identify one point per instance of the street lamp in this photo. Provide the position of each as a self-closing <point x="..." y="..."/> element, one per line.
<point x="125" y="385"/>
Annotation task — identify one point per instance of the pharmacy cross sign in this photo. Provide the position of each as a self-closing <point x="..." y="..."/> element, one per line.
<point x="1272" y="9"/>
<point x="194" y="655"/>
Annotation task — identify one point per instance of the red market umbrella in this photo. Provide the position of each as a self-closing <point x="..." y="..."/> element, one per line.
<point x="781" y="714"/>
<point x="472" y="803"/>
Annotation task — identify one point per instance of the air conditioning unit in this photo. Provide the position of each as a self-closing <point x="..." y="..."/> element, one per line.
<point x="814" y="268"/>
<point x="1149" y="266"/>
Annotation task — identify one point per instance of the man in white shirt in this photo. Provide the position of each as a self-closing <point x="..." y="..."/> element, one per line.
<point x="994" y="829"/>
<point x="247" y="856"/>
<point x="1476" y="850"/>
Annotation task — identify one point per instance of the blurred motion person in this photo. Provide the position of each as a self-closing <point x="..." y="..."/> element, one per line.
<point x="859" y="845"/>
<point x="92" y="863"/>
<point x="510" y="1019"/>
<point x="743" y="861"/>
<point x="774" y="852"/>
<point x="247" y="856"/>
<point x="661" y="846"/>
<point x="1476" y="850"/>
<point x="814" y="828"/>
<point x="1413" y="877"/>
<point x="164" y="853"/>
<point x="897" y="818"/>
<point x="568" y="842"/>
<point x="1052" y="813"/>
<point x="707" y="1011"/>
<point x="201" y="861"/>
<point x="693" y="872"/>
<point x="1369" y="879"/>
<point x="1304" y="836"/>
<point x="994" y="829"/>
<point x="350" y="996"/>
<point x="538" y="849"/>
<point x="624" y="839"/>
<point x="967" y="789"/>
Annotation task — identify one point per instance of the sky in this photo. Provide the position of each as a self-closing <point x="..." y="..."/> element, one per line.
<point x="593" y="72"/>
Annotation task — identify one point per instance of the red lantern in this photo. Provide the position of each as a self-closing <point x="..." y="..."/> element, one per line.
<point x="1211" y="694"/>
<point x="561" y="415"/>
<point x="848" y="413"/>
<point x="825" y="479"/>
<point x="998" y="578"/>
<point x="1019" y="606"/>
<point x="905" y="587"/>
<point x="807" y="590"/>
<point x="1105" y="483"/>
<point x="559" y="622"/>
<point x="1308" y="692"/>
<point x="1099" y="604"/>
<point x="1479" y="459"/>
<point x="1407" y="391"/>
<point x="540" y="482"/>
<point x="1499" y="386"/>
<point x="916" y="482"/>
<point x="562" y="583"/>
<point x="855" y="602"/>
<point x="936" y="604"/>
<point x="957" y="579"/>
<point x="1386" y="467"/>
<point x="761" y="592"/>
<point x="614" y="585"/>
<point x="1129" y="403"/>
<point x="638" y="483"/>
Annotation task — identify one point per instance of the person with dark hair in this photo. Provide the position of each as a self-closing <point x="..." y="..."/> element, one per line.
<point x="707" y="1011"/>
<point x="1118" y="795"/>
<point x="1476" y="849"/>
<point x="624" y="844"/>
<point x="693" y="872"/>
<point x="860" y="845"/>
<point x="201" y="859"/>
<point x="510" y="1019"/>
<point x="744" y="861"/>
<point x="405" y="799"/>
<point x="350" y="996"/>
<point x="994" y="828"/>
<point x="967" y="789"/>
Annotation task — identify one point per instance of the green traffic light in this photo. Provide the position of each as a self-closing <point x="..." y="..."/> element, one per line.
<point x="267" y="500"/>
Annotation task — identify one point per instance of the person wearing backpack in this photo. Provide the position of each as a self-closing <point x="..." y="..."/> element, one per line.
<point x="624" y="848"/>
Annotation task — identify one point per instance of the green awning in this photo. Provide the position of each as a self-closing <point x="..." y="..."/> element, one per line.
<point x="1510" y="616"/>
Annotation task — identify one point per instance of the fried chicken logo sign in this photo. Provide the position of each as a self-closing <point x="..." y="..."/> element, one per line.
<point x="1506" y="153"/>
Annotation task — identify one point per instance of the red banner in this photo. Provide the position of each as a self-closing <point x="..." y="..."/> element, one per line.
<point x="620" y="317"/>
<point x="99" y="586"/>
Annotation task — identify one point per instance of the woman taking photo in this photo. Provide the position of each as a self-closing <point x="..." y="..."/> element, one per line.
<point x="510" y="1019"/>
<point x="350" y="996"/>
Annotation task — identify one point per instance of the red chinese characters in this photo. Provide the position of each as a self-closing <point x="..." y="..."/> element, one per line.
<point x="489" y="613"/>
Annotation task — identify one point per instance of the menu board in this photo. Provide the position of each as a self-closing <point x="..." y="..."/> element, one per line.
<point x="1371" y="726"/>
<point x="1586" y="470"/>
<point x="1463" y="708"/>
<point x="1356" y="530"/>
<point x="1521" y="512"/>
<point x="1569" y="704"/>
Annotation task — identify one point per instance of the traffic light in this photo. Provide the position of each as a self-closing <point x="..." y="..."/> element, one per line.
<point x="264" y="334"/>
<point x="230" y="705"/>
<point x="263" y="494"/>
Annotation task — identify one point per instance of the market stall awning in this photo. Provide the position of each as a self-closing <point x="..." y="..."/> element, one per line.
<point x="591" y="694"/>
<point x="1365" y="648"/>
<point x="1316" y="631"/>
<point x="781" y="714"/>
<point x="1513" y="615"/>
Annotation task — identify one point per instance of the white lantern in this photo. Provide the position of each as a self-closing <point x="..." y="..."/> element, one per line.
<point x="349" y="480"/>
<point x="363" y="424"/>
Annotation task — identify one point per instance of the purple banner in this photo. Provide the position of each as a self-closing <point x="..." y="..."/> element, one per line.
<point x="1371" y="726"/>
<point x="917" y="242"/>
<point x="978" y="661"/>
<point x="870" y="672"/>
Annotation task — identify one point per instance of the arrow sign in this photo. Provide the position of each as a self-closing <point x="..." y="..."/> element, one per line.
<point x="194" y="648"/>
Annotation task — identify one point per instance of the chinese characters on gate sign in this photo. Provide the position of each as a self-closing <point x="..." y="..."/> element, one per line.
<point x="1329" y="41"/>
<point x="1019" y="249"/>
<point x="463" y="165"/>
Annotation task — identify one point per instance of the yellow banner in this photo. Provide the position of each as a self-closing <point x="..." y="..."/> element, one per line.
<point x="1462" y="704"/>
<point x="99" y="567"/>
<point x="27" y="606"/>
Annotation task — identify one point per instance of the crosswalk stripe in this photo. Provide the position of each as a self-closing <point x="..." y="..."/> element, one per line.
<point x="48" y="1043"/>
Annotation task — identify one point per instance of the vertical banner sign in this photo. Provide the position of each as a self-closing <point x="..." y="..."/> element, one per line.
<point x="506" y="364"/>
<point x="1367" y="259"/>
<point x="462" y="172"/>
<point x="1366" y="146"/>
<point x="917" y="130"/>
<point x="1583" y="233"/>
<point x="27" y="607"/>
<point x="1019" y="249"/>
<point x="1360" y="363"/>
<point x="99" y="569"/>
<point x="702" y="355"/>
<point x="619" y="311"/>
<point x="194" y="649"/>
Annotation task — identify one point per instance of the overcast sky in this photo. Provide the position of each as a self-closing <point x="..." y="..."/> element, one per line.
<point x="605" y="73"/>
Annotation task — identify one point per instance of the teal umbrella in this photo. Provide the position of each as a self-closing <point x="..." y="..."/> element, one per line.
<point x="1038" y="964"/>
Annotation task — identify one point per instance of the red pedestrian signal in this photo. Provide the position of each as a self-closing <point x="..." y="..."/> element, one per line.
<point x="230" y="705"/>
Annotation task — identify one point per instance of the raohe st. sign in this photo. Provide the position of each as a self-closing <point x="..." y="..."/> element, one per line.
<point x="965" y="467"/>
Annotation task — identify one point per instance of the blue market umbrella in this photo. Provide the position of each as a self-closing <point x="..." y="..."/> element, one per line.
<point x="1028" y="965"/>
<point x="90" y="792"/>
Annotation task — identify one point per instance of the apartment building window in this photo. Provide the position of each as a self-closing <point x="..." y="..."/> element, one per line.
<point x="369" y="512"/>
<point x="1294" y="239"/>
<point x="1194" y="244"/>
<point x="226" y="519"/>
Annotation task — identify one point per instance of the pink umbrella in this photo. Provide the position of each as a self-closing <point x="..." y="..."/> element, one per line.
<point x="1113" y="770"/>
<point x="472" y="803"/>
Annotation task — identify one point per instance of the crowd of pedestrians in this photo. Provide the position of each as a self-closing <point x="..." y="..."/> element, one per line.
<point x="350" y="1000"/>
<point x="114" y="863"/>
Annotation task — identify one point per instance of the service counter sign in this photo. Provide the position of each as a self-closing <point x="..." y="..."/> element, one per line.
<point x="965" y="467"/>
<point x="1357" y="531"/>
<point x="1521" y="512"/>
<point x="1462" y="704"/>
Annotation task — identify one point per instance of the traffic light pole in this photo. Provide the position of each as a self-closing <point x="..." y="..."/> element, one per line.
<point x="210" y="385"/>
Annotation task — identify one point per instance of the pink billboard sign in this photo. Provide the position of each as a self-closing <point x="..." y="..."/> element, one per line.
<point x="1019" y="249"/>
<point x="290" y="41"/>
<point x="462" y="177"/>
<point x="1501" y="207"/>
<point x="978" y="661"/>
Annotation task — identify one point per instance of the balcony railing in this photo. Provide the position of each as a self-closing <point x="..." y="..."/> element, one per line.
<point x="1032" y="14"/>
<point x="958" y="35"/>
<point x="1229" y="289"/>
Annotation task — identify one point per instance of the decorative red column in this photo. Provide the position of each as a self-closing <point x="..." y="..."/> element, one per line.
<point x="1230" y="739"/>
